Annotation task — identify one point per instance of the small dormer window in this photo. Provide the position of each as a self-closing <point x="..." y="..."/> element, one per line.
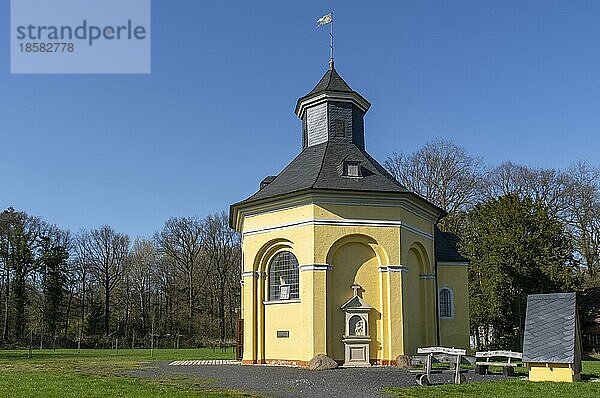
<point x="340" y="128"/>
<point x="351" y="169"/>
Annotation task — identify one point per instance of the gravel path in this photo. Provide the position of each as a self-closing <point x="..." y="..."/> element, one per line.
<point x="274" y="381"/>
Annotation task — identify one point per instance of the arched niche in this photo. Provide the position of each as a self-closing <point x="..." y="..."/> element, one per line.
<point x="367" y="240"/>
<point x="418" y="250"/>
<point x="355" y="259"/>
<point x="355" y="326"/>
<point x="417" y="290"/>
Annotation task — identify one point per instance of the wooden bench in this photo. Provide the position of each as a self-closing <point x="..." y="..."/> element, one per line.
<point x="485" y="359"/>
<point x="424" y="379"/>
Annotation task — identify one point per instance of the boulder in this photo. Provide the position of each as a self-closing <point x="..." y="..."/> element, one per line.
<point x="322" y="362"/>
<point x="403" y="362"/>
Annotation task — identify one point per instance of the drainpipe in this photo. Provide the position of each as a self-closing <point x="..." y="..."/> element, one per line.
<point x="435" y="265"/>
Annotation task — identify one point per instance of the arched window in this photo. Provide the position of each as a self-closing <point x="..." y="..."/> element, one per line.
<point x="446" y="305"/>
<point x="283" y="277"/>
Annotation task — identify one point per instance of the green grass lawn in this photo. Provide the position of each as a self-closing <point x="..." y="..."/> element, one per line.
<point x="99" y="373"/>
<point x="510" y="389"/>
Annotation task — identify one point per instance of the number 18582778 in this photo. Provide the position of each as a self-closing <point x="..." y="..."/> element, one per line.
<point x="47" y="47"/>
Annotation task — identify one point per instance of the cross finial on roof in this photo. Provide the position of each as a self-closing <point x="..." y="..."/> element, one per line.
<point x="356" y="287"/>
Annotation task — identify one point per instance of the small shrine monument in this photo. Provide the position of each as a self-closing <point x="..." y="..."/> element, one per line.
<point x="356" y="339"/>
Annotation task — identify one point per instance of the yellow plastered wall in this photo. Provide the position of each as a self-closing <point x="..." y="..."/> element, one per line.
<point x="263" y="321"/>
<point x="365" y="212"/>
<point x="454" y="332"/>
<point x="285" y="317"/>
<point x="552" y="372"/>
<point x="358" y="253"/>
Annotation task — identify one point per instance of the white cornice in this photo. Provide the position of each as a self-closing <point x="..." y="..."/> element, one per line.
<point x="357" y="222"/>
<point x="353" y="98"/>
<point x="351" y="198"/>
<point x="290" y="301"/>
<point x="315" y="267"/>
<point x="393" y="268"/>
<point x="340" y="223"/>
<point x="417" y="231"/>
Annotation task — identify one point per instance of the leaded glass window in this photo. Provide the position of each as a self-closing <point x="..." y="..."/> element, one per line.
<point x="284" y="277"/>
<point x="445" y="303"/>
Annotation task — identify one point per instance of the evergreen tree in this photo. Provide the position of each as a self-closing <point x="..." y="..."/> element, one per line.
<point x="22" y="233"/>
<point x="516" y="248"/>
<point x="53" y="260"/>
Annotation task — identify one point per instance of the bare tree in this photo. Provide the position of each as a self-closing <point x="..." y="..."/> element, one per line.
<point x="222" y="251"/>
<point x="441" y="172"/>
<point x="106" y="251"/>
<point x="165" y="290"/>
<point x="81" y="269"/>
<point x="72" y="280"/>
<point x="546" y="185"/>
<point x="583" y="195"/>
<point x="181" y="241"/>
<point x="143" y="263"/>
<point x="572" y="196"/>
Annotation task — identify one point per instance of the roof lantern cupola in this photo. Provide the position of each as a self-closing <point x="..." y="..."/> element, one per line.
<point x="332" y="112"/>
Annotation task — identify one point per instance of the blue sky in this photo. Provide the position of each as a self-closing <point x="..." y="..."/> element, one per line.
<point x="507" y="80"/>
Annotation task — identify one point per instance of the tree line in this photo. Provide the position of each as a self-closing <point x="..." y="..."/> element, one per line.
<point x="97" y="287"/>
<point x="525" y="230"/>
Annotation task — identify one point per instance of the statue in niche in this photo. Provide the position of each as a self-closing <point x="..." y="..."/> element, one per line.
<point x="359" y="328"/>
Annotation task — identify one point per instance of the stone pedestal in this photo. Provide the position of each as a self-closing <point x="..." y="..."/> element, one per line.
<point x="357" y="351"/>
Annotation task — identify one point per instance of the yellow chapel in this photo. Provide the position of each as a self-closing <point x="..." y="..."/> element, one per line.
<point x="341" y="259"/>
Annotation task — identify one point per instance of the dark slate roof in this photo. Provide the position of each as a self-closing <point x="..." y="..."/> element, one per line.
<point x="331" y="82"/>
<point x="551" y="333"/>
<point x="446" y="247"/>
<point x="266" y="181"/>
<point x="320" y="167"/>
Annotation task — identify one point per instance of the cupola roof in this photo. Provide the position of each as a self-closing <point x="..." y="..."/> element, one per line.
<point x="330" y="162"/>
<point x="331" y="81"/>
<point x="333" y="84"/>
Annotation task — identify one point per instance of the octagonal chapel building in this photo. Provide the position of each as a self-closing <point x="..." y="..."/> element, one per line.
<point x="341" y="259"/>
